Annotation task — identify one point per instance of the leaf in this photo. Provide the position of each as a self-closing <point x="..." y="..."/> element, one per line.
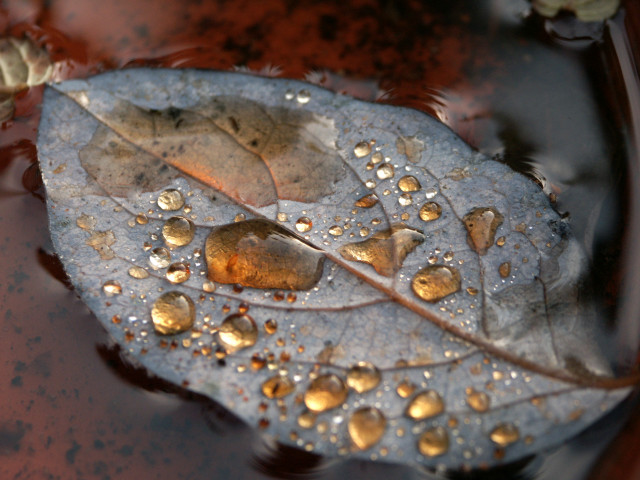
<point x="349" y="277"/>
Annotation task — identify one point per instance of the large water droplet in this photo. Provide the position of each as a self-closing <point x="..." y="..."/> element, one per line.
<point x="178" y="272"/>
<point x="425" y="404"/>
<point x="325" y="392"/>
<point x="278" y="386"/>
<point x="178" y="231"/>
<point x="434" y="282"/>
<point x="159" y="258"/>
<point x="366" y="427"/>
<point x="430" y="211"/>
<point x="481" y="224"/>
<point x="386" y="250"/>
<point x="261" y="254"/>
<point x="171" y="200"/>
<point x="173" y="312"/>
<point x="238" y="331"/>
<point x="504" y="434"/>
<point x="433" y="442"/>
<point x="363" y="376"/>
<point x="409" y="183"/>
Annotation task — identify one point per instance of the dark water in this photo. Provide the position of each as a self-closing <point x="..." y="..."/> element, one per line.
<point x="551" y="98"/>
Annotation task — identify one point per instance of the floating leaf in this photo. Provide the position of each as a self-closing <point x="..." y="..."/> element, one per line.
<point x="239" y="236"/>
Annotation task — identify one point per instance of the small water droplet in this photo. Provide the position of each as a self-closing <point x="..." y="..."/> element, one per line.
<point x="370" y="183"/>
<point x="304" y="224"/>
<point x="178" y="231"/>
<point x="278" y="386"/>
<point x="307" y="419"/>
<point x="385" y="171"/>
<point x="362" y="149"/>
<point x="289" y="95"/>
<point x="142" y="219"/>
<point x="434" y="282"/>
<point x="291" y="297"/>
<point x="336" y="230"/>
<point x="258" y="361"/>
<point x="270" y="326"/>
<point x="504" y="269"/>
<point x="363" y="376"/>
<point x="159" y="258"/>
<point x="430" y="192"/>
<point x="425" y="404"/>
<point x="447" y="256"/>
<point x="261" y="254"/>
<point x="405" y="199"/>
<point x="303" y="96"/>
<point x="240" y="217"/>
<point x="409" y="183"/>
<point x="238" y="331"/>
<point x="367" y="201"/>
<point x="282" y="217"/>
<point x="209" y="287"/>
<point x="479" y="401"/>
<point x="171" y="200"/>
<point x="430" y="211"/>
<point x="364" y="231"/>
<point x="504" y="434"/>
<point x="325" y="392"/>
<point x="178" y="272"/>
<point x="377" y="157"/>
<point x="433" y="442"/>
<point x="111" y="288"/>
<point x="501" y="241"/>
<point x="173" y="312"/>
<point x="472" y="291"/>
<point x="366" y="427"/>
<point x="481" y="224"/>
<point x="405" y="389"/>
<point x="138" y="272"/>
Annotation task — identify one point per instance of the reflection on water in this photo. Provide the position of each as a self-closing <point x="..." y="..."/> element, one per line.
<point x="534" y="93"/>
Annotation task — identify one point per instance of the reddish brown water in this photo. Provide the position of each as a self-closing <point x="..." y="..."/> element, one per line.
<point x="553" y="98"/>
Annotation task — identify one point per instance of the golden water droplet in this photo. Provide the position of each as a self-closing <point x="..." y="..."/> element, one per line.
<point x="504" y="434"/>
<point x="178" y="272"/>
<point x="479" y="401"/>
<point x="325" y="392"/>
<point x="291" y="297"/>
<point x="367" y="201"/>
<point x="409" y="183"/>
<point x="434" y="282"/>
<point x="366" y="427"/>
<point x="504" y="269"/>
<point x="336" y="230"/>
<point x="481" y="224"/>
<point x="362" y="149"/>
<point x="209" y="287"/>
<point x="270" y="326"/>
<point x="377" y="157"/>
<point x="433" y="442"/>
<point x="405" y="389"/>
<point x="282" y="217"/>
<point x="171" y="200"/>
<point x="385" y="250"/>
<point x="138" y="272"/>
<point x="111" y="288"/>
<point x="173" y="312"/>
<point x="385" y="171"/>
<point x="258" y="361"/>
<point x="501" y="241"/>
<point x="447" y="256"/>
<point x="363" y="376"/>
<point x="238" y="331"/>
<point x="304" y="224"/>
<point x="472" y="291"/>
<point x="307" y="419"/>
<point x="364" y="231"/>
<point x="405" y="199"/>
<point x="178" y="231"/>
<point x="430" y="211"/>
<point x="142" y="219"/>
<point x="240" y="217"/>
<point x="159" y="258"/>
<point x="261" y="254"/>
<point x="425" y="404"/>
<point x="278" y="386"/>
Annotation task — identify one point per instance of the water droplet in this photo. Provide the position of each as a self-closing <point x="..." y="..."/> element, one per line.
<point x="178" y="231"/>
<point x="425" y="404"/>
<point x="325" y="392"/>
<point x="173" y="312"/>
<point x="385" y="250"/>
<point x="303" y="96"/>
<point x="479" y="401"/>
<point x="364" y="231"/>
<point x="472" y="291"/>
<point x="171" y="200"/>
<point x="289" y="95"/>
<point x="447" y="256"/>
<point x="367" y="201"/>
<point x="270" y="326"/>
<point x="431" y="192"/>
<point x="142" y="219"/>
<point x="405" y="199"/>
<point x="405" y="389"/>
<point x="178" y="272"/>
<point x="304" y="224"/>
<point x="430" y="211"/>
<point x="291" y="297"/>
<point x="238" y="331"/>
<point x="504" y="434"/>
<point x="159" y="258"/>
<point x="336" y="230"/>
<point x="366" y="427"/>
<point x="282" y="217"/>
<point x="409" y="183"/>
<point x="362" y="149"/>
<point x="385" y="171"/>
<point x="363" y="376"/>
<point x="504" y="269"/>
<point x="278" y="386"/>
<point x="261" y="254"/>
<point x="481" y="224"/>
<point x="258" y="361"/>
<point x="377" y="157"/>
<point x="433" y="442"/>
<point x="138" y="272"/>
<point x="434" y="282"/>
<point x="370" y="183"/>
<point x="209" y="287"/>
<point x="111" y="288"/>
<point x="501" y="241"/>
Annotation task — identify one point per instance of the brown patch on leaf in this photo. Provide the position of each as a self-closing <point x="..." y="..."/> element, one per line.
<point x="101" y="242"/>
